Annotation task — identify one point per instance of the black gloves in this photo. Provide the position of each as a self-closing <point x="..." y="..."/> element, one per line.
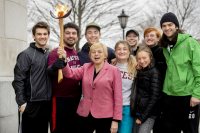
<point x="59" y="64"/>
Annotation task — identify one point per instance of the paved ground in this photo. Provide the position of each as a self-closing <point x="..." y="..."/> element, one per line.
<point x="151" y="131"/>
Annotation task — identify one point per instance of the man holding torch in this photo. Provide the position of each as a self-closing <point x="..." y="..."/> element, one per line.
<point x="66" y="94"/>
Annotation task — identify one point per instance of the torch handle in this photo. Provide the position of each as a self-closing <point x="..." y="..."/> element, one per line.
<point x="60" y="74"/>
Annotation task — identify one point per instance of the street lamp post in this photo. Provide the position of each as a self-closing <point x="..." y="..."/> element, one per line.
<point x="123" y="19"/>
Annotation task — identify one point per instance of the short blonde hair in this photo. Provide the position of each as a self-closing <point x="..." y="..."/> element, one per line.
<point x="99" y="45"/>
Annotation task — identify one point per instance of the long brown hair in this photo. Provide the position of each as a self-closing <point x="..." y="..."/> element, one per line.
<point x="164" y="41"/>
<point x="131" y="59"/>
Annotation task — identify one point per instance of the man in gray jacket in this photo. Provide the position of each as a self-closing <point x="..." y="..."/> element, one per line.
<point x="31" y="83"/>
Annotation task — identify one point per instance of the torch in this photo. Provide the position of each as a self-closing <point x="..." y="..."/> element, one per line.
<point x="61" y="11"/>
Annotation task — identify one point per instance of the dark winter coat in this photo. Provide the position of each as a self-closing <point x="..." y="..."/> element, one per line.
<point x="160" y="61"/>
<point x="146" y="93"/>
<point x="84" y="54"/>
<point x="31" y="81"/>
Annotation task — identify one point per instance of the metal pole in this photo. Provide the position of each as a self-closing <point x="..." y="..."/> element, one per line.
<point x="123" y="34"/>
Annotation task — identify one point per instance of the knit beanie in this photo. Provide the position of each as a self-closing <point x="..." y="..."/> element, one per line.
<point x="169" y="17"/>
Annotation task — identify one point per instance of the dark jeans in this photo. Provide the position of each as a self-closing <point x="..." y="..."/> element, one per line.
<point x="36" y="117"/>
<point x="100" y="125"/>
<point x="177" y="115"/>
<point x="156" y="126"/>
<point x="66" y="117"/>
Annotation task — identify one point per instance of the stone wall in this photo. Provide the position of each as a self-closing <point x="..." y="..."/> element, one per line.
<point x="13" y="38"/>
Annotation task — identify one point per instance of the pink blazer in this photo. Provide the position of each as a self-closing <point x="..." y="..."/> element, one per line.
<point x="101" y="97"/>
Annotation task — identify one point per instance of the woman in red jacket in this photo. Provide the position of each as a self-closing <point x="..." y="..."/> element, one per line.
<point x="100" y="107"/>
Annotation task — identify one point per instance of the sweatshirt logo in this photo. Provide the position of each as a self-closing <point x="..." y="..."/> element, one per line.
<point x="71" y="58"/>
<point x="125" y="75"/>
<point x="73" y="61"/>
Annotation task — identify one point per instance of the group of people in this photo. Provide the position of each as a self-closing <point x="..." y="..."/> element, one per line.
<point x="131" y="89"/>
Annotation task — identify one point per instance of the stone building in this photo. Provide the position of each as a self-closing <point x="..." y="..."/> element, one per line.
<point x="13" y="39"/>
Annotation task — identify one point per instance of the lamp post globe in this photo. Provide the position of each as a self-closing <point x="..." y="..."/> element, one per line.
<point x="123" y="19"/>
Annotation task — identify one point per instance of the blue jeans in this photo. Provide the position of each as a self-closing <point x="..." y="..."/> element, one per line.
<point x="126" y="125"/>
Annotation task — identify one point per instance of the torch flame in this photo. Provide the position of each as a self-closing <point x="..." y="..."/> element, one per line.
<point x="61" y="10"/>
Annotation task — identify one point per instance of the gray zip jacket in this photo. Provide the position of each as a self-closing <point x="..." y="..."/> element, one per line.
<point x="31" y="80"/>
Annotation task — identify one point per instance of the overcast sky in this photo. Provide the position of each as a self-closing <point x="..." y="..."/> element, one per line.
<point x="139" y="12"/>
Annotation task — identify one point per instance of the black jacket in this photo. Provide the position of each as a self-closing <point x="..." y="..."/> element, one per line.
<point x="160" y="61"/>
<point x="31" y="81"/>
<point x="147" y="90"/>
<point x="84" y="54"/>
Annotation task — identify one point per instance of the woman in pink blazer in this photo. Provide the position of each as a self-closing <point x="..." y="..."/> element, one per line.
<point x="100" y="107"/>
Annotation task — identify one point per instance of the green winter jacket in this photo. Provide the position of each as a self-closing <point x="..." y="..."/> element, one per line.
<point x="183" y="68"/>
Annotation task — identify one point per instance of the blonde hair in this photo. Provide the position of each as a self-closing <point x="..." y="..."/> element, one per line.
<point x="147" y="50"/>
<point x="131" y="59"/>
<point x="99" y="45"/>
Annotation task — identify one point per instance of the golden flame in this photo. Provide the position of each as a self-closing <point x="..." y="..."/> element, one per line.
<point x="61" y="10"/>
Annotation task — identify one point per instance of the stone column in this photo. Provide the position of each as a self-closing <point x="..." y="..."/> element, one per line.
<point x="13" y="39"/>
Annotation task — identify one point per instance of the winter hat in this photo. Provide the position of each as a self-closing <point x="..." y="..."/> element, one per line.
<point x="132" y="31"/>
<point x="93" y="24"/>
<point x="169" y="17"/>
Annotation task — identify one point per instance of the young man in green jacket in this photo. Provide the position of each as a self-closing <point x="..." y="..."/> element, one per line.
<point x="182" y="81"/>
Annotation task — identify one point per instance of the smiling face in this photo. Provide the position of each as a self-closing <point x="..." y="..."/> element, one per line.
<point x="151" y="39"/>
<point x="143" y="59"/>
<point x="41" y="37"/>
<point x="122" y="52"/>
<point x="169" y="29"/>
<point x="92" y="35"/>
<point x="70" y="37"/>
<point x="132" y="39"/>
<point x="144" y="56"/>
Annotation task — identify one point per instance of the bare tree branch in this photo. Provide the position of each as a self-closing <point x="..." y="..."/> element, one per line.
<point x="105" y="13"/>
